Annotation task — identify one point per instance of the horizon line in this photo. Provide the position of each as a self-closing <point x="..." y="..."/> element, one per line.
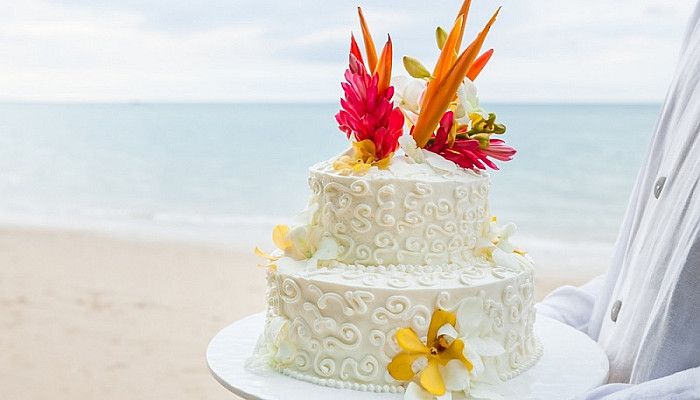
<point x="312" y="102"/>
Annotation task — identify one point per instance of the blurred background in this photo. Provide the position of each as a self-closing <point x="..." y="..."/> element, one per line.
<point x="147" y="146"/>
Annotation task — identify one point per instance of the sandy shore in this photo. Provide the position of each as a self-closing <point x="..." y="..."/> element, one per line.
<point x="90" y="316"/>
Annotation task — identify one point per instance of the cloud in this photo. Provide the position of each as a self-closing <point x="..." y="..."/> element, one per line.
<point x="221" y="50"/>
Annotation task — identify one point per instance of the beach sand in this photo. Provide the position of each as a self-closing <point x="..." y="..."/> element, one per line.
<point x="86" y="315"/>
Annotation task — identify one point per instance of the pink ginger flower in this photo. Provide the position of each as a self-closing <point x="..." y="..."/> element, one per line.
<point x="467" y="153"/>
<point x="497" y="149"/>
<point x="368" y="114"/>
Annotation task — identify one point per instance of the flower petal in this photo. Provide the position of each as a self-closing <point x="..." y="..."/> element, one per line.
<point x="306" y="215"/>
<point x="327" y="249"/>
<point x="481" y="393"/>
<point x="369" y="43"/>
<point x="487" y="346"/>
<point x="409" y="341"/>
<point x="288" y="265"/>
<point x="420" y="364"/>
<point x="431" y="380"/>
<point x="472" y="355"/>
<point x="440" y="318"/>
<point x="479" y="64"/>
<point x="455" y="375"/>
<point x="264" y="255"/>
<point x="413" y="92"/>
<point x="285" y="353"/>
<point x="279" y="234"/>
<point x="489" y="376"/>
<point x="415" y="392"/>
<point x="409" y="147"/>
<point x="401" y="367"/>
<point x="509" y="230"/>
<point x="311" y="264"/>
<point x="455" y="352"/>
<point x="383" y="68"/>
<point x="507" y="260"/>
<point x="438" y="163"/>
<point x="355" y="49"/>
<point x="448" y="331"/>
<point x="446" y="396"/>
<point x="469" y="315"/>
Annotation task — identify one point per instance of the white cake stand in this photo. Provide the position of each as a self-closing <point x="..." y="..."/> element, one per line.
<point x="571" y="364"/>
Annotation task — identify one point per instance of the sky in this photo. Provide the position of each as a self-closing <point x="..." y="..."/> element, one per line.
<point x="296" y="51"/>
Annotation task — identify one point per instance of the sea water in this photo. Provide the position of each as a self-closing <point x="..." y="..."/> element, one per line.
<point x="230" y="172"/>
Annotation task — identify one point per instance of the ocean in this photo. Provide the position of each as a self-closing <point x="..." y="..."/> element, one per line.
<point x="227" y="173"/>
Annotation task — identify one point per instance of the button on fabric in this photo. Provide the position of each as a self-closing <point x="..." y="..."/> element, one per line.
<point x="615" y="310"/>
<point x="659" y="186"/>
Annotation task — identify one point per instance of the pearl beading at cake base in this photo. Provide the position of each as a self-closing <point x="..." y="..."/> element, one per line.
<point x="362" y="387"/>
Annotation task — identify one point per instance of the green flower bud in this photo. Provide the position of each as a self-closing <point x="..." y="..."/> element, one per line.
<point x="483" y="138"/>
<point x="441" y="37"/>
<point x="416" y="69"/>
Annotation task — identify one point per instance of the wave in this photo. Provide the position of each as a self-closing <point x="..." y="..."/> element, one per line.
<point x="229" y="229"/>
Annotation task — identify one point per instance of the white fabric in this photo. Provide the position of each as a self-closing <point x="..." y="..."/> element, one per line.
<point x="654" y="346"/>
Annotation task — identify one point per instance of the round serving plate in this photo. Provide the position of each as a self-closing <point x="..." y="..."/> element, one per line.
<point x="571" y="364"/>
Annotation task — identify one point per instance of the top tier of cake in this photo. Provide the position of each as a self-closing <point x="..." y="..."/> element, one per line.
<point x="411" y="214"/>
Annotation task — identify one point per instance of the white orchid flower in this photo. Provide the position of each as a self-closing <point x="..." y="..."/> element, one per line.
<point x="439" y="163"/>
<point x="468" y="102"/>
<point x="277" y="335"/>
<point x="327" y="250"/>
<point x="506" y="254"/>
<point x="456" y="378"/>
<point x="305" y="241"/>
<point x="408" y="96"/>
<point x="474" y="328"/>
<point x="309" y="248"/>
<point x="454" y="374"/>
<point x="495" y="242"/>
<point x="417" y="155"/>
<point x="410" y="148"/>
<point x="273" y="346"/>
<point x="414" y="391"/>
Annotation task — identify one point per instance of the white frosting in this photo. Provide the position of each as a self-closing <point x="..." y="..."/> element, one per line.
<point x="343" y="320"/>
<point x="406" y="214"/>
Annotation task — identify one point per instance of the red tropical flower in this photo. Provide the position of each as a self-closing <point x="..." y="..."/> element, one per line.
<point x="368" y="114"/>
<point x="497" y="149"/>
<point x="465" y="152"/>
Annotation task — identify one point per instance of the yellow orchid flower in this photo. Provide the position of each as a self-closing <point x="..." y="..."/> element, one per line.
<point x="363" y="159"/>
<point x="279" y="237"/>
<point x="439" y="349"/>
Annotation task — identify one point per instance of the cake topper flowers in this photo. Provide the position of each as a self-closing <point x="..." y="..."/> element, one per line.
<point x="368" y="116"/>
<point x="443" y="110"/>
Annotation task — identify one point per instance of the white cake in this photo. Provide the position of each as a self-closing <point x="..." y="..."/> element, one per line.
<point x="396" y="277"/>
<point x="410" y="239"/>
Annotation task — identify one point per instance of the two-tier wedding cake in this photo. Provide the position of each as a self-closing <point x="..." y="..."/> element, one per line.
<point x="396" y="277"/>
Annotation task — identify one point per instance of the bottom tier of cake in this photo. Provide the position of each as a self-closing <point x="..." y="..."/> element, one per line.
<point x="337" y="326"/>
